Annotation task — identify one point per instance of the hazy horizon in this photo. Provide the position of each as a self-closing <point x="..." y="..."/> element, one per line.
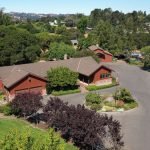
<point x="67" y="7"/>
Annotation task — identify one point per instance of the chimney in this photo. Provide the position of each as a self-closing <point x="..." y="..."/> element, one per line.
<point x="65" y="56"/>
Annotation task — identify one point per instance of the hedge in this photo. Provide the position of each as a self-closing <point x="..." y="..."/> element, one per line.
<point x="94" y="87"/>
<point x="58" y="93"/>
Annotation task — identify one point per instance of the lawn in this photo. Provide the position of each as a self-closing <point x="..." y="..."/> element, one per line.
<point x="8" y="124"/>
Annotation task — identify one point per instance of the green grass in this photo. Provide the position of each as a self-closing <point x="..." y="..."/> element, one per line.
<point x="58" y="93"/>
<point x="131" y="105"/>
<point x="134" y="61"/>
<point x="8" y="124"/>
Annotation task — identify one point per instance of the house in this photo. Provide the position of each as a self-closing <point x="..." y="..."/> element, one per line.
<point x="33" y="77"/>
<point x="104" y="55"/>
<point x="74" y="43"/>
<point x="136" y="54"/>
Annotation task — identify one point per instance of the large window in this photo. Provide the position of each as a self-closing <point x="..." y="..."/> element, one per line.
<point x="105" y="75"/>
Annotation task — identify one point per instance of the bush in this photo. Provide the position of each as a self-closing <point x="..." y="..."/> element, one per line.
<point x="6" y="110"/>
<point x="26" y="104"/>
<point x="96" y="107"/>
<point x="124" y="95"/>
<point x="110" y="104"/>
<point x="23" y="140"/>
<point x="58" y="93"/>
<point x="94" y="87"/>
<point x="93" y="98"/>
<point x="85" y="128"/>
<point x="130" y="105"/>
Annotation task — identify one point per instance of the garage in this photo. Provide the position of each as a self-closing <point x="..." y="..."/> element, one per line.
<point x="36" y="89"/>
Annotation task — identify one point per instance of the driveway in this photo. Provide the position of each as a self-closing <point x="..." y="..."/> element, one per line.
<point x="135" y="123"/>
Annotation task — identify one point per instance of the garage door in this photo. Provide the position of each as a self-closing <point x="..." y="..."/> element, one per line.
<point x="36" y="89"/>
<point x="22" y="91"/>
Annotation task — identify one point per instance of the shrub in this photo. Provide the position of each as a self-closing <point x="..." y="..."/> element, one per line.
<point x="130" y="105"/>
<point x="96" y="107"/>
<point x="93" y="98"/>
<point x="124" y="95"/>
<point x="26" y="104"/>
<point x="110" y="104"/>
<point x="94" y="87"/>
<point x="23" y="140"/>
<point x="85" y="128"/>
<point x="58" y="93"/>
<point x="6" y="109"/>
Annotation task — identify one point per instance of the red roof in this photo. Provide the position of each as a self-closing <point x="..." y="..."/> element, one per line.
<point x="94" y="48"/>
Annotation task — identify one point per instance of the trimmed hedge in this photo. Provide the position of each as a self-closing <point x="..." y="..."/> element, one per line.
<point x="58" y="93"/>
<point x="94" y="87"/>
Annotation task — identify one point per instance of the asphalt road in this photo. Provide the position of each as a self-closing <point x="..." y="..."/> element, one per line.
<point x="135" y="123"/>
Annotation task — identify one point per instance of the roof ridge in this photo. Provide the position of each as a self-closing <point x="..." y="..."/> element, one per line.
<point x="79" y="64"/>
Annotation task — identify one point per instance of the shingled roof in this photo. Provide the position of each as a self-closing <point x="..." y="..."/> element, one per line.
<point x="11" y="74"/>
<point x="94" y="47"/>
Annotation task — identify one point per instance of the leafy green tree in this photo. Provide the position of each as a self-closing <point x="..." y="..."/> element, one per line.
<point x="58" y="50"/>
<point x="4" y="18"/>
<point x="60" y="30"/>
<point x="146" y="53"/>
<point x="23" y="140"/>
<point x="29" y="27"/>
<point x="15" y="46"/>
<point x="82" y="24"/>
<point x="145" y="50"/>
<point x="124" y="95"/>
<point x="62" y="78"/>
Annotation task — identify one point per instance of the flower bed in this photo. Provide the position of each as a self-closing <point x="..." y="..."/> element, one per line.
<point x="120" y="101"/>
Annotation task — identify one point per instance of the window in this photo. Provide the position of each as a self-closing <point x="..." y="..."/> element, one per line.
<point x="102" y="76"/>
<point x="105" y="75"/>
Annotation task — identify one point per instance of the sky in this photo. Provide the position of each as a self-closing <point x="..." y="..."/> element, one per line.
<point x="73" y="6"/>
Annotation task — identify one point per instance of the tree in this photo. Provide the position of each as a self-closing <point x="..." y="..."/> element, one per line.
<point x="102" y="34"/>
<point x="146" y="53"/>
<point x="62" y="78"/>
<point x="85" y="128"/>
<point x="15" y="46"/>
<point x="147" y="61"/>
<point x="26" y="104"/>
<point x="23" y="140"/>
<point x="4" y="18"/>
<point x="124" y="95"/>
<point x="82" y="24"/>
<point x="58" y="50"/>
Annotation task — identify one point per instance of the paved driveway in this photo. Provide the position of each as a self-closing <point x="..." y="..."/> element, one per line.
<point x="135" y="123"/>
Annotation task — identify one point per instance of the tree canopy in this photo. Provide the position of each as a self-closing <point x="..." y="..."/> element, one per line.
<point x="58" y="50"/>
<point x="61" y="78"/>
<point x="17" y="46"/>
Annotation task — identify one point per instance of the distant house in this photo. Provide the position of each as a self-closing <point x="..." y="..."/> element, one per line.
<point x="74" y="43"/>
<point x="103" y="55"/>
<point x="33" y="77"/>
<point x="136" y="54"/>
